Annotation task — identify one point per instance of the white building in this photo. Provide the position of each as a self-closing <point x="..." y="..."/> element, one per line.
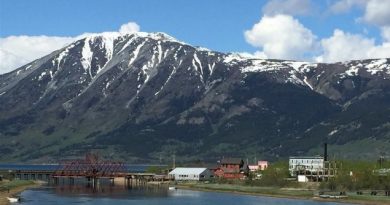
<point x="306" y="165"/>
<point x="193" y="174"/>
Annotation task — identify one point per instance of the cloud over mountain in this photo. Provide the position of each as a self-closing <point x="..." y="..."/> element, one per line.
<point x="280" y="34"/>
<point x="16" y="51"/>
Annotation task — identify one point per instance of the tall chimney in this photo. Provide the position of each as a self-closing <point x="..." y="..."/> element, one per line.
<point x="325" y="151"/>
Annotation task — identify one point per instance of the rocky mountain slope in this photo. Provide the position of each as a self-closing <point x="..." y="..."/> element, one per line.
<point x="146" y="96"/>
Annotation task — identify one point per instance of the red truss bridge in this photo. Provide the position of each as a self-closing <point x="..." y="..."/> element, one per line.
<point x="91" y="167"/>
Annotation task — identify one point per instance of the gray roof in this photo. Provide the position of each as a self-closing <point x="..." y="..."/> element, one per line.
<point x="188" y="170"/>
<point x="307" y="157"/>
<point x="213" y="166"/>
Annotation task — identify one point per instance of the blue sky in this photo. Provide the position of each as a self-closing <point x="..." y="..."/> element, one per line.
<point x="216" y="24"/>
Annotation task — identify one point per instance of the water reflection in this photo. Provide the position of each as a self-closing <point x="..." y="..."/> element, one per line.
<point x="109" y="190"/>
<point x="184" y="193"/>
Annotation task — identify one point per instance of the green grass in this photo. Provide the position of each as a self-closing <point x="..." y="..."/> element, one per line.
<point x="14" y="183"/>
<point x="272" y="191"/>
<point x="367" y="197"/>
<point x="281" y="192"/>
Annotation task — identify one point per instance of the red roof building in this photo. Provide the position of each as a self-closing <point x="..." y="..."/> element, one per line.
<point x="232" y="168"/>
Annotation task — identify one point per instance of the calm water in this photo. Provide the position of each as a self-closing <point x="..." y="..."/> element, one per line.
<point x="117" y="195"/>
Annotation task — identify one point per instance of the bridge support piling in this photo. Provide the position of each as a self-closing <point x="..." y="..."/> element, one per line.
<point x="112" y="181"/>
<point x="71" y="180"/>
<point x="95" y="182"/>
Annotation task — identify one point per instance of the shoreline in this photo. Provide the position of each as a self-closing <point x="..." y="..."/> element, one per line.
<point x="281" y="195"/>
<point x="16" y="190"/>
<point x="291" y="193"/>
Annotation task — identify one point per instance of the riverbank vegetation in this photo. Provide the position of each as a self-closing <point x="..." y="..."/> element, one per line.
<point x="350" y="176"/>
<point x="9" y="185"/>
<point x="10" y="188"/>
<point x="360" y="175"/>
<point x="357" y="179"/>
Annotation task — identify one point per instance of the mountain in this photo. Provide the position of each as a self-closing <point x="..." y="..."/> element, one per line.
<point x="143" y="97"/>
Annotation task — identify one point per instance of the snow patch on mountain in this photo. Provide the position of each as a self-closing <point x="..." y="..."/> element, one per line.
<point x="307" y="83"/>
<point x="174" y="69"/>
<point x="264" y="66"/>
<point x="295" y="64"/>
<point x="135" y="54"/>
<point x="234" y="58"/>
<point x="374" y="67"/>
<point x="158" y="36"/>
<point x="353" y="70"/>
<point x="108" y="42"/>
<point x="86" y="58"/>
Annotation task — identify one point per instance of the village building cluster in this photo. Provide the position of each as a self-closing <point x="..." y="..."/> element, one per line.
<point x="227" y="168"/>
<point x="303" y="169"/>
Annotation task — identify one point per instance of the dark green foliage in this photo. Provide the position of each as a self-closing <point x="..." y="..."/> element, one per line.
<point x="275" y="175"/>
<point x="49" y="130"/>
<point x="358" y="175"/>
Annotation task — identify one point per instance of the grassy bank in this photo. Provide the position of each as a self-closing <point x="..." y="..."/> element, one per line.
<point x="10" y="188"/>
<point x="295" y="193"/>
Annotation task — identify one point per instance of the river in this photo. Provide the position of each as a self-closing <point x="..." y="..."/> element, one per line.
<point x="117" y="195"/>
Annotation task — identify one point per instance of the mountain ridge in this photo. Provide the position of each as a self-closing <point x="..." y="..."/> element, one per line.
<point x="159" y="92"/>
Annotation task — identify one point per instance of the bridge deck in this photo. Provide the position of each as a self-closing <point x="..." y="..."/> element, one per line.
<point x="54" y="173"/>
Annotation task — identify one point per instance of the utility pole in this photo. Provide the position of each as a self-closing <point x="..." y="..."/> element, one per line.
<point x="174" y="161"/>
<point x="381" y="160"/>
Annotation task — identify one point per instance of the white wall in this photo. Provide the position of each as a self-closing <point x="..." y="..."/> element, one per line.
<point x="302" y="178"/>
<point x="309" y="164"/>
<point x="205" y="175"/>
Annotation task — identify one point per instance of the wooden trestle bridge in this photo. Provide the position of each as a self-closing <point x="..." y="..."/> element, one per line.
<point x="91" y="168"/>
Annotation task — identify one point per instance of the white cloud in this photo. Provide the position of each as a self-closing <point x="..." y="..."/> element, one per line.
<point x="385" y="31"/>
<point x="377" y="12"/>
<point x="19" y="50"/>
<point x="16" y="51"/>
<point x="380" y="51"/>
<point x="281" y="36"/>
<point x="343" y="46"/>
<point x="290" y="7"/>
<point x="130" y="27"/>
<point x="343" y="6"/>
<point x="8" y="60"/>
